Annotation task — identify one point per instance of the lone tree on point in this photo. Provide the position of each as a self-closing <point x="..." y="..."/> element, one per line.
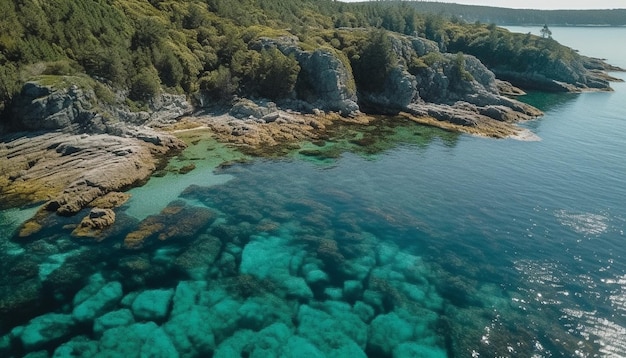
<point x="545" y="32"/>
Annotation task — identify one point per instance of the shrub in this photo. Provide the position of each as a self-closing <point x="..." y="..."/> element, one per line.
<point x="277" y="74"/>
<point x="218" y="84"/>
<point x="144" y="85"/>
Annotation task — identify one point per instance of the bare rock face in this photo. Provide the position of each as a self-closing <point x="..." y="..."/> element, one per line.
<point x="70" y="104"/>
<point x="399" y="91"/>
<point x="330" y="83"/>
<point x="325" y="81"/>
<point x="44" y="107"/>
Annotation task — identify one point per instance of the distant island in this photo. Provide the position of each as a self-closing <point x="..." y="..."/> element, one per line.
<point x="520" y="17"/>
<point x="92" y="92"/>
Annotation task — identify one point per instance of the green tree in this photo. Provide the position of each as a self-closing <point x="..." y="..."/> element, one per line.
<point x="545" y="32"/>
<point x="149" y="31"/>
<point x="218" y="84"/>
<point x="373" y="64"/>
<point x="144" y="85"/>
<point x="459" y="64"/>
<point x="9" y="83"/>
<point x="277" y="74"/>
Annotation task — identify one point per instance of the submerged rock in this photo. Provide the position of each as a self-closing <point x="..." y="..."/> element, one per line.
<point x="47" y="329"/>
<point x="338" y="333"/>
<point x="137" y="340"/>
<point x="234" y="345"/>
<point x="119" y="318"/>
<point x="387" y="332"/>
<point x="198" y="258"/>
<point x="279" y="261"/>
<point x="414" y="350"/>
<point x="276" y="340"/>
<point x="80" y="346"/>
<point x="177" y="221"/>
<point x="153" y="305"/>
<point x="258" y="312"/>
<point x="191" y="332"/>
<point x="107" y="297"/>
<point x="20" y="298"/>
<point x="158" y="344"/>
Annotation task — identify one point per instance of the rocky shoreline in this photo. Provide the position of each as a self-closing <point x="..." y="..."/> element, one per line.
<point x="64" y="146"/>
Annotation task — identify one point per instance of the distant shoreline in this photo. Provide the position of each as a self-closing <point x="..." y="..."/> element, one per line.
<point x="561" y="25"/>
<point x="525" y="17"/>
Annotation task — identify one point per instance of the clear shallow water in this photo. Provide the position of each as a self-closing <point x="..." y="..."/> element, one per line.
<point x="420" y="243"/>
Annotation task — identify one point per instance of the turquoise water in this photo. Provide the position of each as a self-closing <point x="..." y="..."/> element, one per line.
<point x="390" y="241"/>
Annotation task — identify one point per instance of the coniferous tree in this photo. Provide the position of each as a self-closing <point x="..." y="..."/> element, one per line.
<point x="545" y="32"/>
<point x="373" y="64"/>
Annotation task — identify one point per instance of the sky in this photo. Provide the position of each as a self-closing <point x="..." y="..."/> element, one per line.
<point x="543" y="4"/>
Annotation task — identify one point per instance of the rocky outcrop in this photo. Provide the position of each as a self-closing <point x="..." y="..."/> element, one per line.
<point x="507" y="89"/>
<point x="92" y="225"/>
<point x="45" y="107"/>
<point x="70" y="170"/>
<point x="468" y="89"/>
<point x="70" y="103"/>
<point x="111" y="200"/>
<point x="457" y="89"/>
<point x="399" y="91"/>
<point x="577" y="75"/>
<point x="325" y="80"/>
<point x="84" y="153"/>
<point x="268" y="135"/>
<point x="247" y="109"/>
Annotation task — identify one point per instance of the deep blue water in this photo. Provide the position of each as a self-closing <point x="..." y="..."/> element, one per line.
<point x="422" y="244"/>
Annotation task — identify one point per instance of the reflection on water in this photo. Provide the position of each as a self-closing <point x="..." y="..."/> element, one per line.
<point x="583" y="223"/>
<point x="548" y="101"/>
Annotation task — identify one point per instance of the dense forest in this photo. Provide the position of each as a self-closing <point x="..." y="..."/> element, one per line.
<point x="503" y="16"/>
<point x="143" y="47"/>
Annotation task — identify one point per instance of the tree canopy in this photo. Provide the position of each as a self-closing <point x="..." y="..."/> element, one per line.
<point x="186" y="46"/>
